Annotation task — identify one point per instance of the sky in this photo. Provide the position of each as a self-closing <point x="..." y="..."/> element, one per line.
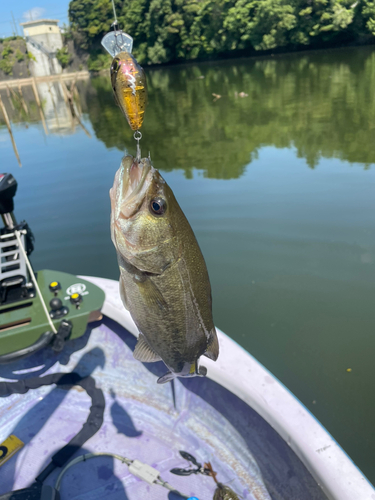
<point x="24" y="10"/>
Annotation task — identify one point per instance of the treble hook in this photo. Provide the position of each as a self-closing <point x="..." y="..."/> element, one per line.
<point x="187" y="472"/>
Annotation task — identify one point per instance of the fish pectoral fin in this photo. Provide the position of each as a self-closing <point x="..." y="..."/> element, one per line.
<point x="213" y="347"/>
<point x="151" y="294"/>
<point x="143" y="352"/>
<point x="166" y="378"/>
<point x="123" y="293"/>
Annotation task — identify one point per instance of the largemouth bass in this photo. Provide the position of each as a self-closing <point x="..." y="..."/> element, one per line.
<point x="130" y="88"/>
<point x="164" y="282"/>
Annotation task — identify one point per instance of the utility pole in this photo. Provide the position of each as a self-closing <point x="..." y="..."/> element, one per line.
<point x="14" y="22"/>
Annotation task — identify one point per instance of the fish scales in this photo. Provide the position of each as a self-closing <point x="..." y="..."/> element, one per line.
<point x="163" y="276"/>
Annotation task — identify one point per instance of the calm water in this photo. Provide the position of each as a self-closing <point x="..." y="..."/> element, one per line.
<point x="278" y="187"/>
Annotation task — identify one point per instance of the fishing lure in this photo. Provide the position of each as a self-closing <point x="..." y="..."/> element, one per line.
<point x="130" y="88"/>
<point x="199" y="469"/>
<point x="128" y="78"/>
<point x="223" y="492"/>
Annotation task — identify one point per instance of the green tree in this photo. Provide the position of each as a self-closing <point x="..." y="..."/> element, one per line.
<point x="20" y="56"/>
<point x="264" y="24"/>
<point x="175" y="30"/>
<point x="7" y="60"/>
<point x="63" y="56"/>
<point x="368" y="12"/>
<point x="6" y="65"/>
<point x="31" y="57"/>
<point x="98" y="61"/>
<point x="7" y="51"/>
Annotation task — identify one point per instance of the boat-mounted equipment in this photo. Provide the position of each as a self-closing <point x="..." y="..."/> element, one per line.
<point x="15" y="283"/>
<point x="76" y="299"/>
<point x="54" y="286"/>
<point x="37" y="309"/>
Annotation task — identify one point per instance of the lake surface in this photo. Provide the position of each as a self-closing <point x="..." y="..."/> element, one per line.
<point x="279" y="187"/>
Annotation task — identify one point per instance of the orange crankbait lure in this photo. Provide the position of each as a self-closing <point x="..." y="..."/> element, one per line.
<point x="128" y="79"/>
<point x="130" y="88"/>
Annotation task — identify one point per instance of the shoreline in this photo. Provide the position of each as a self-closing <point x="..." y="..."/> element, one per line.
<point x="79" y="75"/>
<point x="224" y="58"/>
<point x="241" y="56"/>
<point x="264" y="54"/>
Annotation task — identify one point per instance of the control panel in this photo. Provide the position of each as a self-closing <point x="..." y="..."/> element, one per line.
<point x="68" y="299"/>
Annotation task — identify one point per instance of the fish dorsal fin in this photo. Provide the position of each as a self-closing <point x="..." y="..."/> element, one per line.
<point x="143" y="351"/>
<point x="213" y="347"/>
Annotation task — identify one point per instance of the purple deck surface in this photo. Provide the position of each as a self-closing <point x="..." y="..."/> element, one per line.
<point x="140" y="422"/>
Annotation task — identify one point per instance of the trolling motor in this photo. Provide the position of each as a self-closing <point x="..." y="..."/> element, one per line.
<point x="15" y="282"/>
<point x="36" y="309"/>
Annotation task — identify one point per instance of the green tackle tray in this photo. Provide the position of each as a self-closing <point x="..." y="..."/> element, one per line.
<point x="22" y="323"/>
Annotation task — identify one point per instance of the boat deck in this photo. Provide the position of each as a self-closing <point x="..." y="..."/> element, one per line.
<point x="141" y="422"/>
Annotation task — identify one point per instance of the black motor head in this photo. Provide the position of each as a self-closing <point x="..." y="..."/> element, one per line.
<point x="8" y="188"/>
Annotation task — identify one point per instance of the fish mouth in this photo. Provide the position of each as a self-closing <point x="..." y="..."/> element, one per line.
<point x="134" y="182"/>
<point x="134" y="175"/>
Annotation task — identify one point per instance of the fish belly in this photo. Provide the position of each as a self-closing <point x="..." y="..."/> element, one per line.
<point x="167" y="313"/>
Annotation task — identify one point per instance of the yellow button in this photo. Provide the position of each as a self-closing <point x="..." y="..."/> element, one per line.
<point x="75" y="296"/>
<point x="54" y="283"/>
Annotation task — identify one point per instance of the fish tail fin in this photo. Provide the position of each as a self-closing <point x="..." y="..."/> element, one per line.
<point x="195" y="371"/>
<point x="166" y="378"/>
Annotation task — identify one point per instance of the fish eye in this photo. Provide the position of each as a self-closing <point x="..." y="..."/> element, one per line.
<point x="158" y="206"/>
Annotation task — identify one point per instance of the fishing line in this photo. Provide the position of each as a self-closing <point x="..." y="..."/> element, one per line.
<point x="114" y="13"/>
<point x="132" y="77"/>
<point x="33" y="279"/>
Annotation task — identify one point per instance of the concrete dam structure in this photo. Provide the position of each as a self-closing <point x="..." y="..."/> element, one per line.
<point x="43" y="39"/>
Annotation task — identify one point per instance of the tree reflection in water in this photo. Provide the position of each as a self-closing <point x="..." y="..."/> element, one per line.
<point x="321" y="103"/>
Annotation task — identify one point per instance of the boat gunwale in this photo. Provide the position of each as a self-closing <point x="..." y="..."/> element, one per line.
<point x="239" y="372"/>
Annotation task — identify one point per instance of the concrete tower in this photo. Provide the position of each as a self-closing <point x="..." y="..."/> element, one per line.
<point x="43" y="38"/>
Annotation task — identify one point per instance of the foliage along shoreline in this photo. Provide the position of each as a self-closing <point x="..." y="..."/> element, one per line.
<point x="178" y="31"/>
<point x="170" y="32"/>
<point x="241" y="56"/>
<point x="14" y="58"/>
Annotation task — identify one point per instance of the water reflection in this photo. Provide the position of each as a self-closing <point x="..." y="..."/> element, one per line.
<point x="56" y="112"/>
<point x="323" y="104"/>
<point x="54" y="103"/>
